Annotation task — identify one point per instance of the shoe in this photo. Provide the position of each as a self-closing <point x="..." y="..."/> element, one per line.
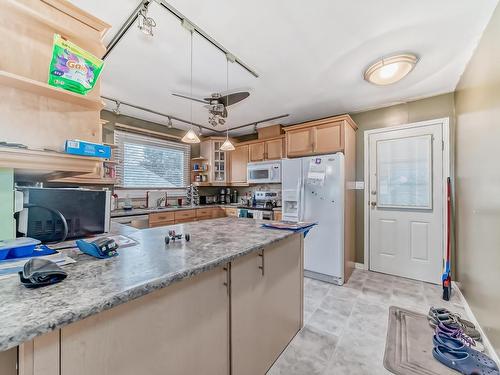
<point x="452" y="327"/>
<point x="461" y="361"/>
<point x="438" y="315"/>
<point x="457" y="345"/>
<point x="459" y="334"/>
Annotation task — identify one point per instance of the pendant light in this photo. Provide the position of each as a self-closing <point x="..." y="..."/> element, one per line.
<point x="227" y="145"/>
<point x="190" y="136"/>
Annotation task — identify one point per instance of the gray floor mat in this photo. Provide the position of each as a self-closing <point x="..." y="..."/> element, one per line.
<point x="408" y="347"/>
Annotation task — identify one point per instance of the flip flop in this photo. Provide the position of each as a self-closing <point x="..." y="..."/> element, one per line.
<point x="461" y="361"/>
<point x="457" y="345"/>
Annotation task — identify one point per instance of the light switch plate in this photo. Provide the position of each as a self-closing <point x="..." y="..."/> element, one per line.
<point x="360" y="185"/>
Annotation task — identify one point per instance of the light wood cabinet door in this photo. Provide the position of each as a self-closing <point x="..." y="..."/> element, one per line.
<point x="274" y="149"/>
<point x="182" y="330"/>
<point x="233" y="212"/>
<point x="299" y="142"/>
<point x="257" y="151"/>
<point x="266" y="305"/>
<point x="329" y="138"/>
<point x="8" y="362"/>
<point x="239" y="161"/>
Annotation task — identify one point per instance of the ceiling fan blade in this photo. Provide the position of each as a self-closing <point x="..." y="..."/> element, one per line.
<point x="230" y="99"/>
<point x="190" y="98"/>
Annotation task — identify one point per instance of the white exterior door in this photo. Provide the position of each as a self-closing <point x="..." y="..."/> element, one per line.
<point x="406" y="201"/>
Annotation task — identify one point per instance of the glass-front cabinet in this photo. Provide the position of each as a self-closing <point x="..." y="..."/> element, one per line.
<point x="217" y="160"/>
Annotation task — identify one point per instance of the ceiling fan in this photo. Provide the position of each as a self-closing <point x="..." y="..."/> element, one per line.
<point x="217" y="105"/>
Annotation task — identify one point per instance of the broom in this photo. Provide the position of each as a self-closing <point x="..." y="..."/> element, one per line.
<point x="447" y="271"/>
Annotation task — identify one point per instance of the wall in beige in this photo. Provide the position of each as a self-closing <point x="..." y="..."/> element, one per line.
<point x="420" y="110"/>
<point x="477" y="102"/>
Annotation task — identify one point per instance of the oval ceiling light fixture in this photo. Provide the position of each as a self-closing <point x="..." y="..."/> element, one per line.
<point x="389" y="70"/>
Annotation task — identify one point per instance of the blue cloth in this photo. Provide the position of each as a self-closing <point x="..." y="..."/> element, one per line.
<point x="304" y="229"/>
<point x="39" y="251"/>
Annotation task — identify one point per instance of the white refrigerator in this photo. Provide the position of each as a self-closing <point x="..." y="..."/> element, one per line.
<point x="313" y="191"/>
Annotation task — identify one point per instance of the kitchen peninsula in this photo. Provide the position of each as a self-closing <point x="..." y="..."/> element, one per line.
<point x="227" y="301"/>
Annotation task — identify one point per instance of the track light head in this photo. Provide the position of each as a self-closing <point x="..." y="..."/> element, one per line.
<point x="145" y="23"/>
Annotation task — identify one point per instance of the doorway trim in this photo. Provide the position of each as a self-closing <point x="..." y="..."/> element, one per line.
<point x="445" y="125"/>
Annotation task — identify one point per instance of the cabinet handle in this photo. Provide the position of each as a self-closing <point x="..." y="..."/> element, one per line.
<point x="261" y="267"/>
<point x="227" y="283"/>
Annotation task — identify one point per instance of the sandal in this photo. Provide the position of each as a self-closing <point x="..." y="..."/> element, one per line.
<point x="457" y="345"/>
<point x="462" y="362"/>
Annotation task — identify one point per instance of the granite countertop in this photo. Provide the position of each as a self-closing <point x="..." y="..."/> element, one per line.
<point x="94" y="285"/>
<point x="146" y="210"/>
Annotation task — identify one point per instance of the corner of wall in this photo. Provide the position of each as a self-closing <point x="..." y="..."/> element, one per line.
<point x="6" y="204"/>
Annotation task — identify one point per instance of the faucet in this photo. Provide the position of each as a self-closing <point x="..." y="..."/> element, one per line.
<point x="160" y="201"/>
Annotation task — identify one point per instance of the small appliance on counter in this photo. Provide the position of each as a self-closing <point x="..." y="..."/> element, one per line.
<point x="234" y="196"/>
<point x="54" y="214"/>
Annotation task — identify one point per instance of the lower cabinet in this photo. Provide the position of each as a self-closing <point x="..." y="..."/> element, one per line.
<point x="181" y="329"/>
<point x="266" y="305"/>
<point x="8" y="362"/>
<point x="234" y="320"/>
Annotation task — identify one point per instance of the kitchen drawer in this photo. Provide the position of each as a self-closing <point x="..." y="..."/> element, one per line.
<point x="161" y="216"/>
<point x="161" y="223"/>
<point x="185" y="214"/>
<point x="204" y="213"/>
<point x="185" y="220"/>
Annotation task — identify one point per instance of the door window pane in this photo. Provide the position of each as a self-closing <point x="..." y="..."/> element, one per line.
<point x="404" y="172"/>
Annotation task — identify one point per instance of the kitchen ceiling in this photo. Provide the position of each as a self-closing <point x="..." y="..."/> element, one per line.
<point x="310" y="57"/>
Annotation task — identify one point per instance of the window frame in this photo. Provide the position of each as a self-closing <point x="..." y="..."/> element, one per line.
<point x="121" y="135"/>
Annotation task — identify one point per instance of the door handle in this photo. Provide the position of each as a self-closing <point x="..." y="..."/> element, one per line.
<point x="373" y="204"/>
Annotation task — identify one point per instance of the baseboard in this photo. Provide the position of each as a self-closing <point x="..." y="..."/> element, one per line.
<point x="359" y="266"/>
<point x="487" y="344"/>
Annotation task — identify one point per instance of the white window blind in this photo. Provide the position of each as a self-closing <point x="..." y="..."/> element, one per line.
<point x="148" y="162"/>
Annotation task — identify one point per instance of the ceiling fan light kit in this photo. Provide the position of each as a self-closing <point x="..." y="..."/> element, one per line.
<point x="391" y="69"/>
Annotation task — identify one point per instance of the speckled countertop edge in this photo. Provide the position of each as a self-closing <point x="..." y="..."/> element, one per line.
<point x="35" y="327"/>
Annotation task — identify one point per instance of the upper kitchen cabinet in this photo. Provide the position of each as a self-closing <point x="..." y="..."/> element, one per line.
<point x="217" y="161"/>
<point x="40" y="116"/>
<point x="239" y="161"/>
<point x="325" y="136"/>
<point x="270" y="149"/>
<point x="257" y="151"/>
<point x="274" y="148"/>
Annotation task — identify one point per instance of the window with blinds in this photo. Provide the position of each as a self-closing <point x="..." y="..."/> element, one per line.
<point x="148" y="162"/>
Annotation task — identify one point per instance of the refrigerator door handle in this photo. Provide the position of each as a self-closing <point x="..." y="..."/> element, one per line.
<point x="302" y="194"/>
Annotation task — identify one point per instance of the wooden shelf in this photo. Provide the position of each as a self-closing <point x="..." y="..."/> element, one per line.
<point x="44" y="89"/>
<point x="81" y="180"/>
<point x="35" y="162"/>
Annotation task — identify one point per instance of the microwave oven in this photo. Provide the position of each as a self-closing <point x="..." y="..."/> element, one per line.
<point x="86" y="212"/>
<point x="265" y="172"/>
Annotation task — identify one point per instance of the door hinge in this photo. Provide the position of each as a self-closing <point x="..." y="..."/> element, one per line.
<point x="442" y="145"/>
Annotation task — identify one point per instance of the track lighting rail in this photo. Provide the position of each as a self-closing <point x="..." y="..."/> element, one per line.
<point x="170" y="117"/>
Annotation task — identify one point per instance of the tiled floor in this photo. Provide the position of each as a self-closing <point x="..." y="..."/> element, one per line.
<point x="345" y="327"/>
